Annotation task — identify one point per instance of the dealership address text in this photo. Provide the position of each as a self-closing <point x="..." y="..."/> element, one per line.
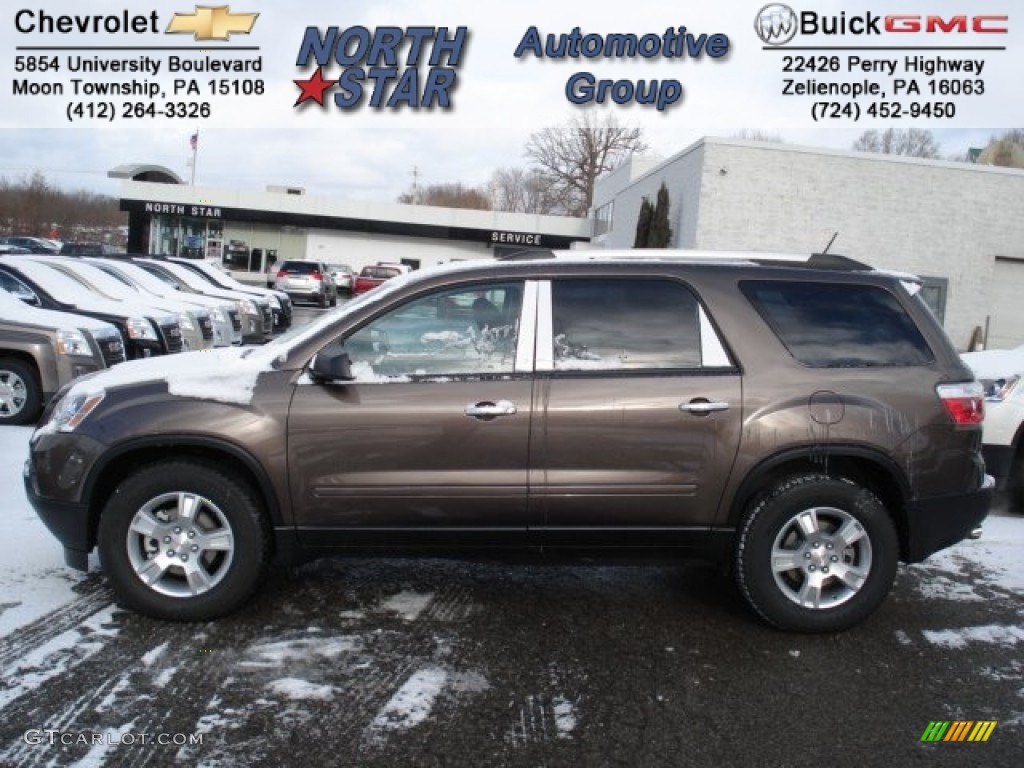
<point x="894" y="87"/>
<point x="97" y="88"/>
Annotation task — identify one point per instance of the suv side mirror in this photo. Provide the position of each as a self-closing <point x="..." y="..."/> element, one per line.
<point x="331" y="365"/>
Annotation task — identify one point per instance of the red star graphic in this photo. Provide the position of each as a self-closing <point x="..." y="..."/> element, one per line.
<point x="313" y="88"/>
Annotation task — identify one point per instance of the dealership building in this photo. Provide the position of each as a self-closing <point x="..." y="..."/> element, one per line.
<point x="960" y="226"/>
<point x="249" y="232"/>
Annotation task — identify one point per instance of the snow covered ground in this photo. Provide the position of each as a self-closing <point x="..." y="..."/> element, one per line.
<point x="374" y="658"/>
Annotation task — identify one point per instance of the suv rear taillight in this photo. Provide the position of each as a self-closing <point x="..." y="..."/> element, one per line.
<point x="964" y="402"/>
<point x="316" y="275"/>
<point x="282" y="273"/>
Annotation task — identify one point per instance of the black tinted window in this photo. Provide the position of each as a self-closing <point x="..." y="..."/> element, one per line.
<point x="827" y="325"/>
<point x="624" y="324"/>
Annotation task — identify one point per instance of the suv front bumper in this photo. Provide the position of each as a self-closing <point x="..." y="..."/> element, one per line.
<point x="942" y="521"/>
<point x="67" y="520"/>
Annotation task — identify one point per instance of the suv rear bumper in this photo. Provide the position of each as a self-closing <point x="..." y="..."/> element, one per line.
<point x="940" y="522"/>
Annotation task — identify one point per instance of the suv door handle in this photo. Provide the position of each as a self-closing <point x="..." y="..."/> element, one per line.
<point x="703" y="406"/>
<point x="490" y="410"/>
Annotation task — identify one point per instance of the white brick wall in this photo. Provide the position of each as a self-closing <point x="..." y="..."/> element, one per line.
<point x="932" y="218"/>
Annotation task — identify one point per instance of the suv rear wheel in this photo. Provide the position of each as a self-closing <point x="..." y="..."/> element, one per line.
<point x="182" y="541"/>
<point x="817" y="554"/>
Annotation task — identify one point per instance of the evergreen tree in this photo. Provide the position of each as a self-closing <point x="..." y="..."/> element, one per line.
<point x="661" y="231"/>
<point x="643" y="224"/>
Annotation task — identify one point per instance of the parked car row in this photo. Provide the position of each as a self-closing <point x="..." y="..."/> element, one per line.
<point x="321" y="283"/>
<point x="88" y="313"/>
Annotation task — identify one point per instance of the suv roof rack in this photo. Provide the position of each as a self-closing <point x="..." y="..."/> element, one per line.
<point x="526" y="254"/>
<point x="809" y="261"/>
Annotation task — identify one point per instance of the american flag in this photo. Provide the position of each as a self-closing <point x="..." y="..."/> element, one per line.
<point x="194" y="141"/>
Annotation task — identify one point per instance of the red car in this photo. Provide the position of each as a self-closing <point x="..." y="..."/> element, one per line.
<point x="375" y="274"/>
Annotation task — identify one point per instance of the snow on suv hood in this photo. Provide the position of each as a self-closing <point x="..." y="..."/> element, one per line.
<point x="995" y="363"/>
<point x="16" y="310"/>
<point x="225" y="374"/>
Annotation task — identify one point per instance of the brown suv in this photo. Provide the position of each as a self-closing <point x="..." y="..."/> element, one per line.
<point x="808" y="426"/>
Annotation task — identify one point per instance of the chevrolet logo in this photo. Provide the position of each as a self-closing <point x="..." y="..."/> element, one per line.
<point x="212" y="22"/>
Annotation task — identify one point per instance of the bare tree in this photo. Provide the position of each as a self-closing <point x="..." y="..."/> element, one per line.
<point x="521" y="190"/>
<point x="1006" y="150"/>
<point x="756" y="134"/>
<point x="451" y="195"/>
<point x="910" y="142"/>
<point x="571" y="156"/>
<point x="33" y="206"/>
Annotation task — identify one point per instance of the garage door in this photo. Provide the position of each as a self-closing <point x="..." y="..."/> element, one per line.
<point x="1006" y="323"/>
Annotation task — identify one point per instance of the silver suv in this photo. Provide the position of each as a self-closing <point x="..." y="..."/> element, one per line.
<point x="807" y="427"/>
<point x="307" y="281"/>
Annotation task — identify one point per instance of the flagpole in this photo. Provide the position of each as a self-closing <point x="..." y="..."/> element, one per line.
<point x="195" y="150"/>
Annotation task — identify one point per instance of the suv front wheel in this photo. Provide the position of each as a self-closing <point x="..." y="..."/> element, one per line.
<point x="816" y="554"/>
<point x="21" y="397"/>
<point x="183" y="541"/>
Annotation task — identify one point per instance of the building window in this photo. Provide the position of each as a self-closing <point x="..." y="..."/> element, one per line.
<point x="603" y="218"/>
<point x="933" y="293"/>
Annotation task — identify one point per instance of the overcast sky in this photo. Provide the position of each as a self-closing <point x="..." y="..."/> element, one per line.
<point x="499" y="100"/>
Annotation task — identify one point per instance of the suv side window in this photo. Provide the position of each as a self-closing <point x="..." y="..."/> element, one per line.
<point x="832" y="325"/>
<point x="632" y="324"/>
<point x="471" y="330"/>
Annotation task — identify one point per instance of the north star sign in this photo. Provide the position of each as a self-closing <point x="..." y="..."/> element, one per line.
<point x="174" y="209"/>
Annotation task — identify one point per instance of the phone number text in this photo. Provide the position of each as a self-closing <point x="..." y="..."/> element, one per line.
<point x="135" y="110"/>
<point x="882" y="110"/>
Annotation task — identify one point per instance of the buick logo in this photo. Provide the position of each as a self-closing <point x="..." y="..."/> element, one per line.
<point x="776" y="24"/>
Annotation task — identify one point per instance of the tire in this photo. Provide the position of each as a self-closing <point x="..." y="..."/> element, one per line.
<point x="140" y="535"/>
<point x="816" y="554"/>
<point x="21" y="395"/>
<point x="322" y="300"/>
<point x="334" y="299"/>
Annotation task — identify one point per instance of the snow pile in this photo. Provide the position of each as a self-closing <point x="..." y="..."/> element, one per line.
<point x="412" y="703"/>
<point x="992" y="634"/>
<point x="298" y="690"/>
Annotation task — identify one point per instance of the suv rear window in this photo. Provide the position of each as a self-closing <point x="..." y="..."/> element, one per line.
<point x="831" y="325"/>
<point x="300" y="267"/>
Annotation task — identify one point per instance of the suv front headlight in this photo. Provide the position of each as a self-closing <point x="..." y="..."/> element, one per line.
<point x="275" y="303"/>
<point x="72" y="343"/>
<point x="217" y="316"/>
<point x="247" y="307"/>
<point x="141" y="328"/>
<point x="185" y="321"/>
<point x="72" y="410"/>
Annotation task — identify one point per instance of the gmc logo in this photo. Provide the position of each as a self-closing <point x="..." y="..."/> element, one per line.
<point x="960" y="24"/>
